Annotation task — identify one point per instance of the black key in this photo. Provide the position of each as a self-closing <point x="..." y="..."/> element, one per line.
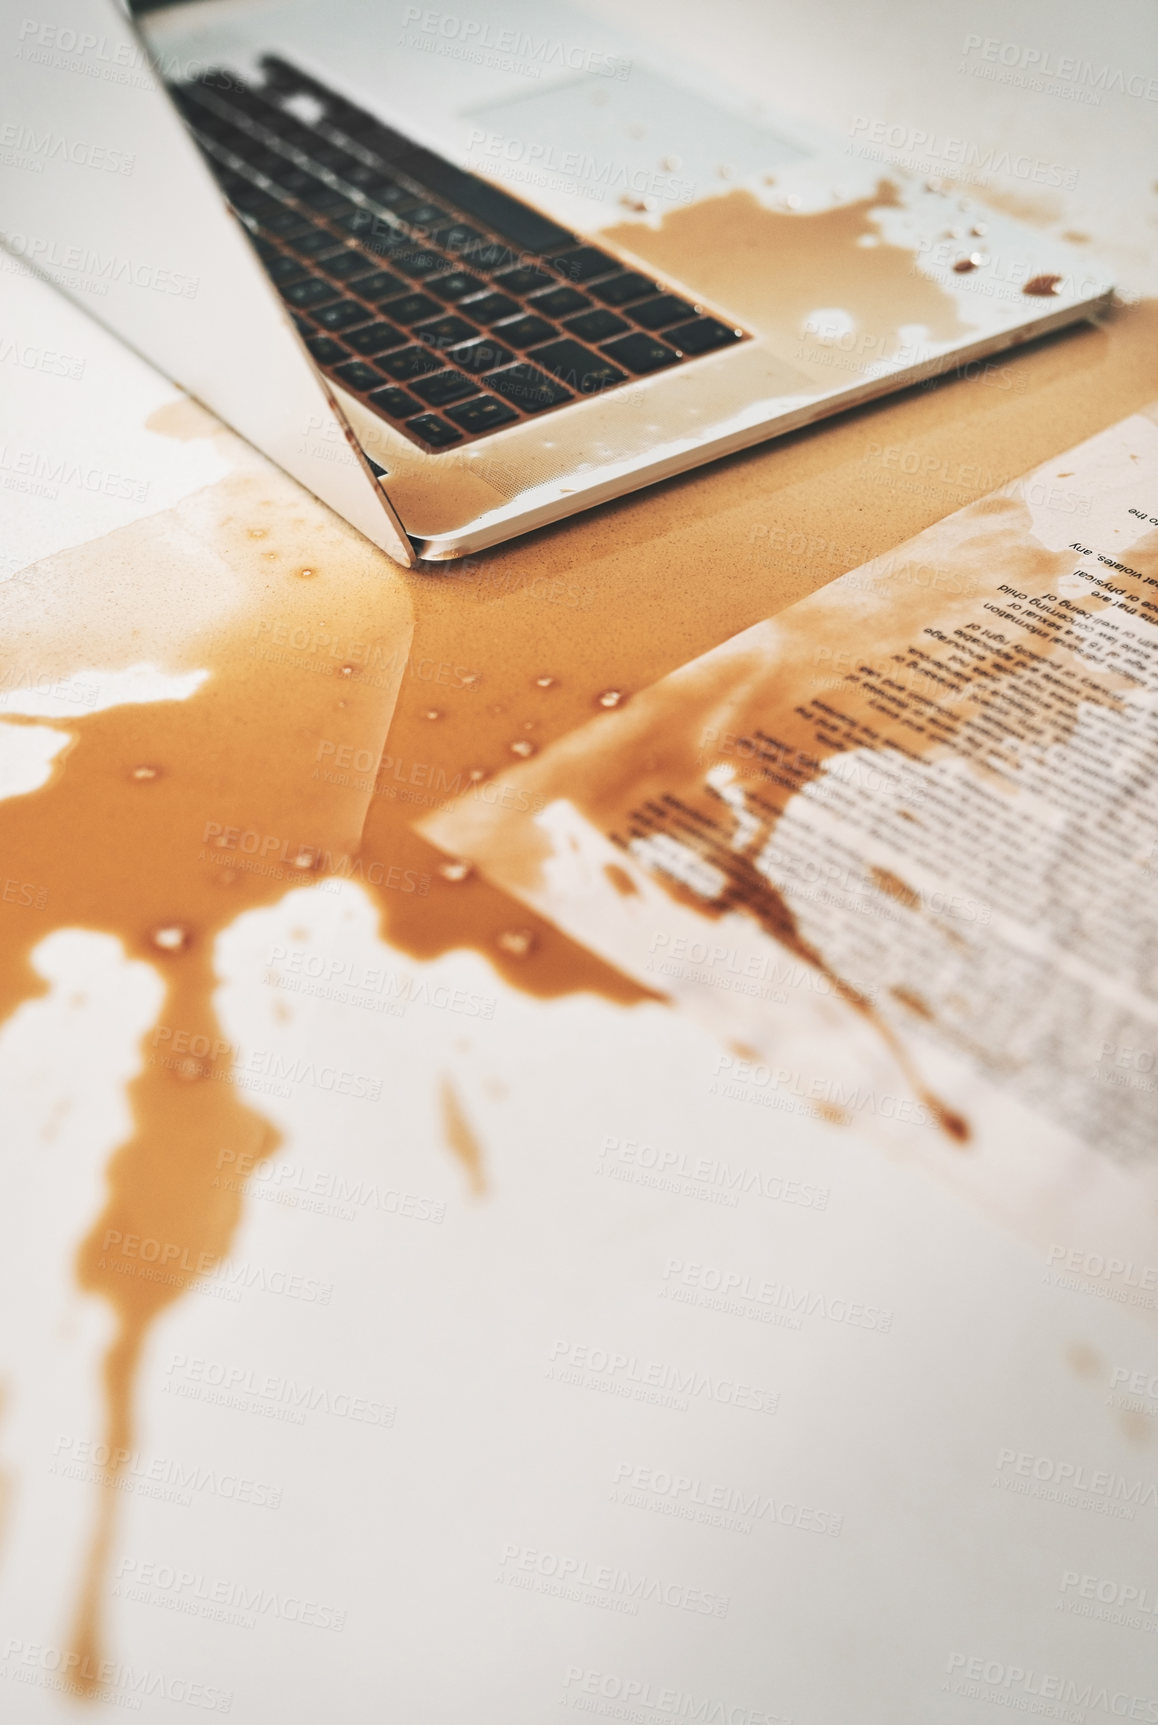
<point x="584" y="264"/>
<point x="456" y="286"/>
<point x="456" y="237"/>
<point x="344" y="266"/>
<point x="264" y="248"/>
<point x="488" y="308"/>
<point x="325" y="349"/>
<point x="375" y="338"/>
<point x="559" y="302"/>
<point x="578" y="367"/>
<point x="379" y="285"/>
<point x="659" y="312"/>
<point x="702" y="335"/>
<point x="312" y="291"/>
<point x="413" y="260"/>
<point x="444" y="387"/>
<point x="358" y="375"/>
<point x="408" y="363"/>
<point x="446" y="331"/>
<point x="529" y="389"/>
<point x="433" y="430"/>
<point x="516" y="222"/>
<point x="427" y="216"/>
<point x="488" y="256"/>
<point x="395" y="402"/>
<point x="526" y="331"/>
<point x="369" y="228"/>
<point x="285" y="222"/>
<point x="622" y="289"/>
<point x="481" y="356"/>
<point x="313" y="243"/>
<point x="325" y="199"/>
<point x="253" y="200"/>
<point x="344" y="314"/>
<point x="283" y="269"/>
<point x="484" y="413"/>
<point x="302" y="324"/>
<point x="412" y="308"/>
<point x="523" y="280"/>
<point x="288" y="175"/>
<point x="641" y="353"/>
<point x="596" y="325"/>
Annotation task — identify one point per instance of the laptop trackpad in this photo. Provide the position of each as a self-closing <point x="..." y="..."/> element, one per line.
<point x="638" y="142"/>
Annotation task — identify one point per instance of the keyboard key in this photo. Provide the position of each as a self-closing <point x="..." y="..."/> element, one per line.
<point x="394" y="402"/>
<point x="519" y="223"/>
<point x="356" y="374"/>
<point x="658" y="313"/>
<point x="526" y="331"/>
<point x="325" y="349"/>
<point x="309" y="292"/>
<point x="456" y="286"/>
<point x="285" y="222"/>
<point x="702" y="335"/>
<point x="313" y="243"/>
<point x="484" y="413"/>
<point x="577" y="367"/>
<point x="488" y="307"/>
<point x="283" y="269"/>
<point x="412" y="308"/>
<point x="427" y="216"/>
<point x="559" y="302"/>
<point x="584" y="264"/>
<point x="622" y="289"/>
<point x="368" y="228"/>
<point x="527" y="388"/>
<point x="379" y="285"/>
<point x="641" y="353"/>
<point x="344" y="314"/>
<point x="456" y="238"/>
<point x="444" y="387"/>
<point x="375" y="338"/>
<point x="408" y="256"/>
<point x="596" y="325"/>
<point x="410" y="362"/>
<point x="523" y="280"/>
<point x="344" y="265"/>
<point x="325" y="199"/>
<point x="446" y="331"/>
<point x="481" y="356"/>
<point x="433" y="430"/>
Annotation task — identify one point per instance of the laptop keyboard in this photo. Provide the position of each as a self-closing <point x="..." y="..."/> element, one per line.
<point x="448" y="307"/>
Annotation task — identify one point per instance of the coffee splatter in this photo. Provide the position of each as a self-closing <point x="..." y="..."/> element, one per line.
<point x="461" y="1138"/>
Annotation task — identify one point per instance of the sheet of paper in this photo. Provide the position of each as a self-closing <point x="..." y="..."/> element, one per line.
<point x="898" y="846"/>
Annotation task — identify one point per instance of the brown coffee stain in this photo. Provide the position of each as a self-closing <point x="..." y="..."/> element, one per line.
<point x="1041" y="287"/>
<point x="908" y="997"/>
<point x="461" y="1138"/>
<point x="895" y="887"/>
<point x="620" y="879"/>
<point x="1084" y="1360"/>
<point x="773" y="269"/>
<point x="613" y="599"/>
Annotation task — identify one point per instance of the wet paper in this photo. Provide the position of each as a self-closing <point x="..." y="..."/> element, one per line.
<point x="898" y="846"/>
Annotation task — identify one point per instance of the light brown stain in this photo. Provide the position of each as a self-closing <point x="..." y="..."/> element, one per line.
<point x="620" y="880"/>
<point x="615" y="599"/>
<point x="461" y="1138"/>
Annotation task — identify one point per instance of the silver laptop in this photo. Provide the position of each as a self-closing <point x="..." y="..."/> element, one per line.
<point x="464" y="275"/>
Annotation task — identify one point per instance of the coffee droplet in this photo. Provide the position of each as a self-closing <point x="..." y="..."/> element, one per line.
<point x="524" y="747"/>
<point x="306" y="574"/>
<point x="432" y="713"/>
<point x="306" y="858"/>
<point x="979" y="228"/>
<point x="1043" y="286"/>
<point x="544" y="682"/>
<point x="346" y="671"/>
<point x="471" y="679"/>
<point x="516" y="942"/>
<point x="143" y="774"/>
<point x="455" y="870"/>
<point x="476" y="775"/>
<point x="610" y="698"/>
<point x="171" y="937"/>
<point x="973" y="262"/>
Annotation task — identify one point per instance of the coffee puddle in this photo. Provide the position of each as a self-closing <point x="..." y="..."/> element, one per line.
<point x="300" y="623"/>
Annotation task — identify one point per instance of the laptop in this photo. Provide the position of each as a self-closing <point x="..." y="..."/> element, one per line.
<point x="467" y="275"/>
